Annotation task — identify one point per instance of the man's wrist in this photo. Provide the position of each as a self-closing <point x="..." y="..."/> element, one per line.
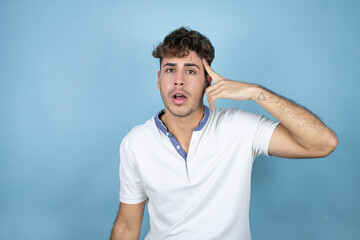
<point x="258" y="93"/>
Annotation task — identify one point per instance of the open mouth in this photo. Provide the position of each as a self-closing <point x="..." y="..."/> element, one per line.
<point x="179" y="98"/>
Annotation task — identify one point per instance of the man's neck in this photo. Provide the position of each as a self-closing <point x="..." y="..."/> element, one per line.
<point x="182" y="127"/>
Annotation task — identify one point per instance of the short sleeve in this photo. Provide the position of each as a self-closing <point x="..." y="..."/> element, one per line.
<point x="262" y="136"/>
<point x="131" y="187"/>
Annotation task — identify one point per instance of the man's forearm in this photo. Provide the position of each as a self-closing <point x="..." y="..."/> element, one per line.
<point x="304" y="126"/>
<point x="120" y="233"/>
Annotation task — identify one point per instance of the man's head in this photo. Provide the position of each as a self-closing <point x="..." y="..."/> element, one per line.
<point x="182" y="79"/>
<point x="180" y="41"/>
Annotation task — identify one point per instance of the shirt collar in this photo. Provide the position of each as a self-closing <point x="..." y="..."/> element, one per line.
<point x="163" y="128"/>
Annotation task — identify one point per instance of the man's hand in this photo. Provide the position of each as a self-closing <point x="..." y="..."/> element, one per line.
<point x="225" y="88"/>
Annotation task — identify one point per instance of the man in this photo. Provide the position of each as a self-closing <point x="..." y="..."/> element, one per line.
<point x="194" y="164"/>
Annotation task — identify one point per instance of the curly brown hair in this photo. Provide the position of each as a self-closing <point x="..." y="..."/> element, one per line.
<point x="182" y="40"/>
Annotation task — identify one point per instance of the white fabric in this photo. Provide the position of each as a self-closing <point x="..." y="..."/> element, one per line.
<point x="208" y="195"/>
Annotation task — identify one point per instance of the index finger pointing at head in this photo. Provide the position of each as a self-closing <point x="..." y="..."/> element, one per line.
<point x="209" y="70"/>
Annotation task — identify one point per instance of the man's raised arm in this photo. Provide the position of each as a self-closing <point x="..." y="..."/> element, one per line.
<point x="300" y="133"/>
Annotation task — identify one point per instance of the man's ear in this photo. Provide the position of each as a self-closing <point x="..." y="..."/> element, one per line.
<point x="158" y="81"/>
<point x="208" y="80"/>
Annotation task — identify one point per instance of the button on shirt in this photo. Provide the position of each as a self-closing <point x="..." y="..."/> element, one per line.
<point x="202" y="194"/>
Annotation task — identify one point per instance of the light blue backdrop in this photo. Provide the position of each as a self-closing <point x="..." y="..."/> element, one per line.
<point x="76" y="76"/>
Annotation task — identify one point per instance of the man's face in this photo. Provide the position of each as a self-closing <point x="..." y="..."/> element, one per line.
<point x="182" y="84"/>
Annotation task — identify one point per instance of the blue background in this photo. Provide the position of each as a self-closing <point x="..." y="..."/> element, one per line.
<point x="76" y="76"/>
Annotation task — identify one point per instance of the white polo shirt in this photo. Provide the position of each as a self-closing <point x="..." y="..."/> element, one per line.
<point x="204" y="194"/>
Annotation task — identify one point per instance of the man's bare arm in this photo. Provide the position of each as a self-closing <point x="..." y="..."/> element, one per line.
<point x="127" y="225"/>
<point x="300" y="133"/>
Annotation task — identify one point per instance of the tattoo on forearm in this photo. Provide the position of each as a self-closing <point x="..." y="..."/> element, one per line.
<point x="262" y="97"/>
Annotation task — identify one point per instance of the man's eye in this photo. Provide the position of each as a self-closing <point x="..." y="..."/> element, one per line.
<point x="169" y="70"/>
<point x="190" y="71"/>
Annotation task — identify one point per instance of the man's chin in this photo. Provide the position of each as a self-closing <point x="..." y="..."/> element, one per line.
<point x="180" y="111"/>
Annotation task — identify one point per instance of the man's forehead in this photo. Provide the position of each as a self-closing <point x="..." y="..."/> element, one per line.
<point x="192" y="57"/>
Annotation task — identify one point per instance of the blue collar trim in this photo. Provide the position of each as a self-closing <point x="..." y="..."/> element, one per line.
<point x="163" y="128"/>
<point x="172" y="138"/>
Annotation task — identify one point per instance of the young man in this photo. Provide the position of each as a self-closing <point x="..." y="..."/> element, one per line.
<point x="194" y="164"/>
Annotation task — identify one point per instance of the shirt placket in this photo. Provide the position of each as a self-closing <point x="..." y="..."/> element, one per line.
<point x="190" y="163"/>
<point x="188" y="157"/>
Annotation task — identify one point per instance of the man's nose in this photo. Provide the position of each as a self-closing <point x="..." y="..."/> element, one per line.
<point x="179" y="80"/>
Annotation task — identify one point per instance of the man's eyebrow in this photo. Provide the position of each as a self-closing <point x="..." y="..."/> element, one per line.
<point x="191" y="65"/>
<point x="170" y="64"/>
<point x="186" y="65"/>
